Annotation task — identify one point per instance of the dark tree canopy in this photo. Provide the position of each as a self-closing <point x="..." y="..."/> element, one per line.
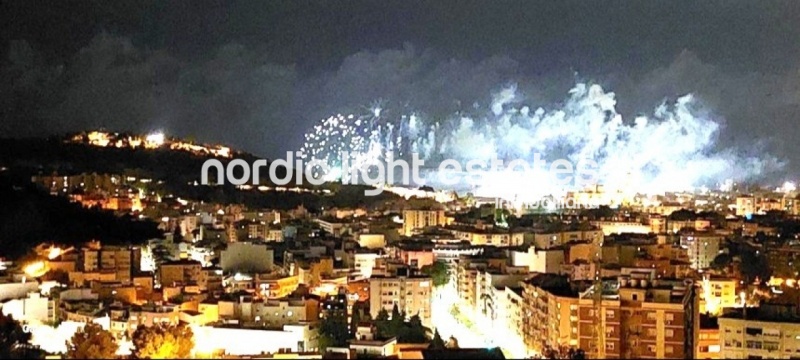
<point x="439" y="273"/>
<point x="163" y="342"/>
<point x="14" y="341"/>
<point x="437" y="343"/>
<point x="406" y="331"/>
<point x="333" y="331"/>
<point x="92" y="342"/>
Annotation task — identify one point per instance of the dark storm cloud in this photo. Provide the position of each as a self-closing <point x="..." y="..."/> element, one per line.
<point x="257" y="75"/>
<point x="232" y="96"/>
<point x="757" y="109"/>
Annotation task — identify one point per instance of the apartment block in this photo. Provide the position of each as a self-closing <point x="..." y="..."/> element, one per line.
<point x="702" y="247"/>
<point x="180" y="272"/>
<point x="419" y="219"/>
<point x="767" y="332"/>
<point x="551" y="308"/>
<point x="411" y="293"/>
<point x="640" y="320"/>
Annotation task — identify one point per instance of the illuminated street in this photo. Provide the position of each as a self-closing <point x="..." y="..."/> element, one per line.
<point x="453" y="319"/>
<point x="444" y="301"/>
<point x="399" y="180"/>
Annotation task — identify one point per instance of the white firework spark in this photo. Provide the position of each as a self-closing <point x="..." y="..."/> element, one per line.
<point x="673" y="150"/>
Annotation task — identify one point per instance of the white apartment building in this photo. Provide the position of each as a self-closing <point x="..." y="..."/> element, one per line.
<point x="768" y="332"/>
<point x="702" y="248"/>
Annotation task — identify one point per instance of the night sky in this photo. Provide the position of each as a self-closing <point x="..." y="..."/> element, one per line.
<point x="257" y="74"/>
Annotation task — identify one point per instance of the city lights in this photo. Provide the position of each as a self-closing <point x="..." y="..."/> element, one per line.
<point x="387" y="180"/>
<point x="36" y="269"/>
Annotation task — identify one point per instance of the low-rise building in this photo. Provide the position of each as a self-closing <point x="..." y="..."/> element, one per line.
<point x="247" y="257"/>
<point x="179" y="272"/>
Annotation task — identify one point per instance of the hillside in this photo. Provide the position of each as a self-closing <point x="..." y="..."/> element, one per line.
<point x="179" y="171"/>
<point x="29" y="216"/>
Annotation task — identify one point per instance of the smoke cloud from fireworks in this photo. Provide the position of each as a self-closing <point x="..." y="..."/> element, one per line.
<point x="672" y="149"/>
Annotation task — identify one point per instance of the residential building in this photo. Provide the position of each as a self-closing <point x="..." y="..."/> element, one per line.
<point x="547" y="240"/>
<point x="702" y="247"/>
<point x="334" y="227"/>
<point x="488" y="235"/>
<point x="367" y="343"/>
<point x="411" y="293"/>
<point x="372" y="241"/>
<point x="767" y="332"/>
<point x="247" y="257"/>
<point x="239" y="341"/>
<point x="179" y="272"/>
<point x="539" y="260"/>
<point x="708" y="340"/>
<point x="275" y="285"/>
<point x="717" y="294"/>
<point x="279" y="312"/>
<point x="33" y="308"/>
<point x="551" y="312"/>
<point x="640" y="319"/>
<point x="414" y="220"/>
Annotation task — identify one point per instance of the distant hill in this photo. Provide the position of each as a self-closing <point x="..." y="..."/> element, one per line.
<point x="29" y="216"/>
<point x="179" y="170"/>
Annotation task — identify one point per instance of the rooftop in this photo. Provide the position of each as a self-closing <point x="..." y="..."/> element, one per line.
<point x="766" y="312"/>
<point x="493" y="353"/>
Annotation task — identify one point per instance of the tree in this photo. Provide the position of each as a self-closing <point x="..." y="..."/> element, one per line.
<point x="577" y="354"/>
<point x="14" y="341"/>
<point x="382" y="324"/>
<point x="754" y="266"/>
<point x="437" y="343"/>
<point x="354" y="320"/>
<point x="163" y="342"/>
<point x="92" y="342"/>
<point x="439" y="273"/>
<point x="721" y="261"/>
<point x="413" y="332"/>
<point x="333" y="331"/>
<point x="396" y="323"/>
<point x="563" y="352"/>
<point x="452" y="343"/>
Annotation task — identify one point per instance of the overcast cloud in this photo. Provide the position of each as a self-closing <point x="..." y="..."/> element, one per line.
<point x="261" y="88"/>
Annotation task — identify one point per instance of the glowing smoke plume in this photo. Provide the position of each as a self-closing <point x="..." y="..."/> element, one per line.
<point x="671" y="150"/>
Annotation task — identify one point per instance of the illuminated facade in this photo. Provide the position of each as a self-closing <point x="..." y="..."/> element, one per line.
<point x="179" y="272"/>
<point x="488" y="236"/>
<point x="551" y="313"/>
<point x="641" y="322"/>
<point x="702" y="247"/>
<point x="767" y="332"/>
<point x="240" y="341"/>
<point x="708" y="339"/>
<point x="414" y="220"/>
<point x="411" y="294"/>
<point x="550" y="240"/>
<point x="717" y="294"/>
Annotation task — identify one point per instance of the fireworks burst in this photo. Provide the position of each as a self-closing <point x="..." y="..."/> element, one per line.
<point x="671" y="151"/>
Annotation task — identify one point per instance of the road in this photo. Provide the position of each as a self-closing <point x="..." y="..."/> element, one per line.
<point x="471" y="330"/>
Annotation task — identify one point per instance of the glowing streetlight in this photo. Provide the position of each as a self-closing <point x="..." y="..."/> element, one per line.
<point x="155" y="139"/>
<point x="35" y="269"/>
